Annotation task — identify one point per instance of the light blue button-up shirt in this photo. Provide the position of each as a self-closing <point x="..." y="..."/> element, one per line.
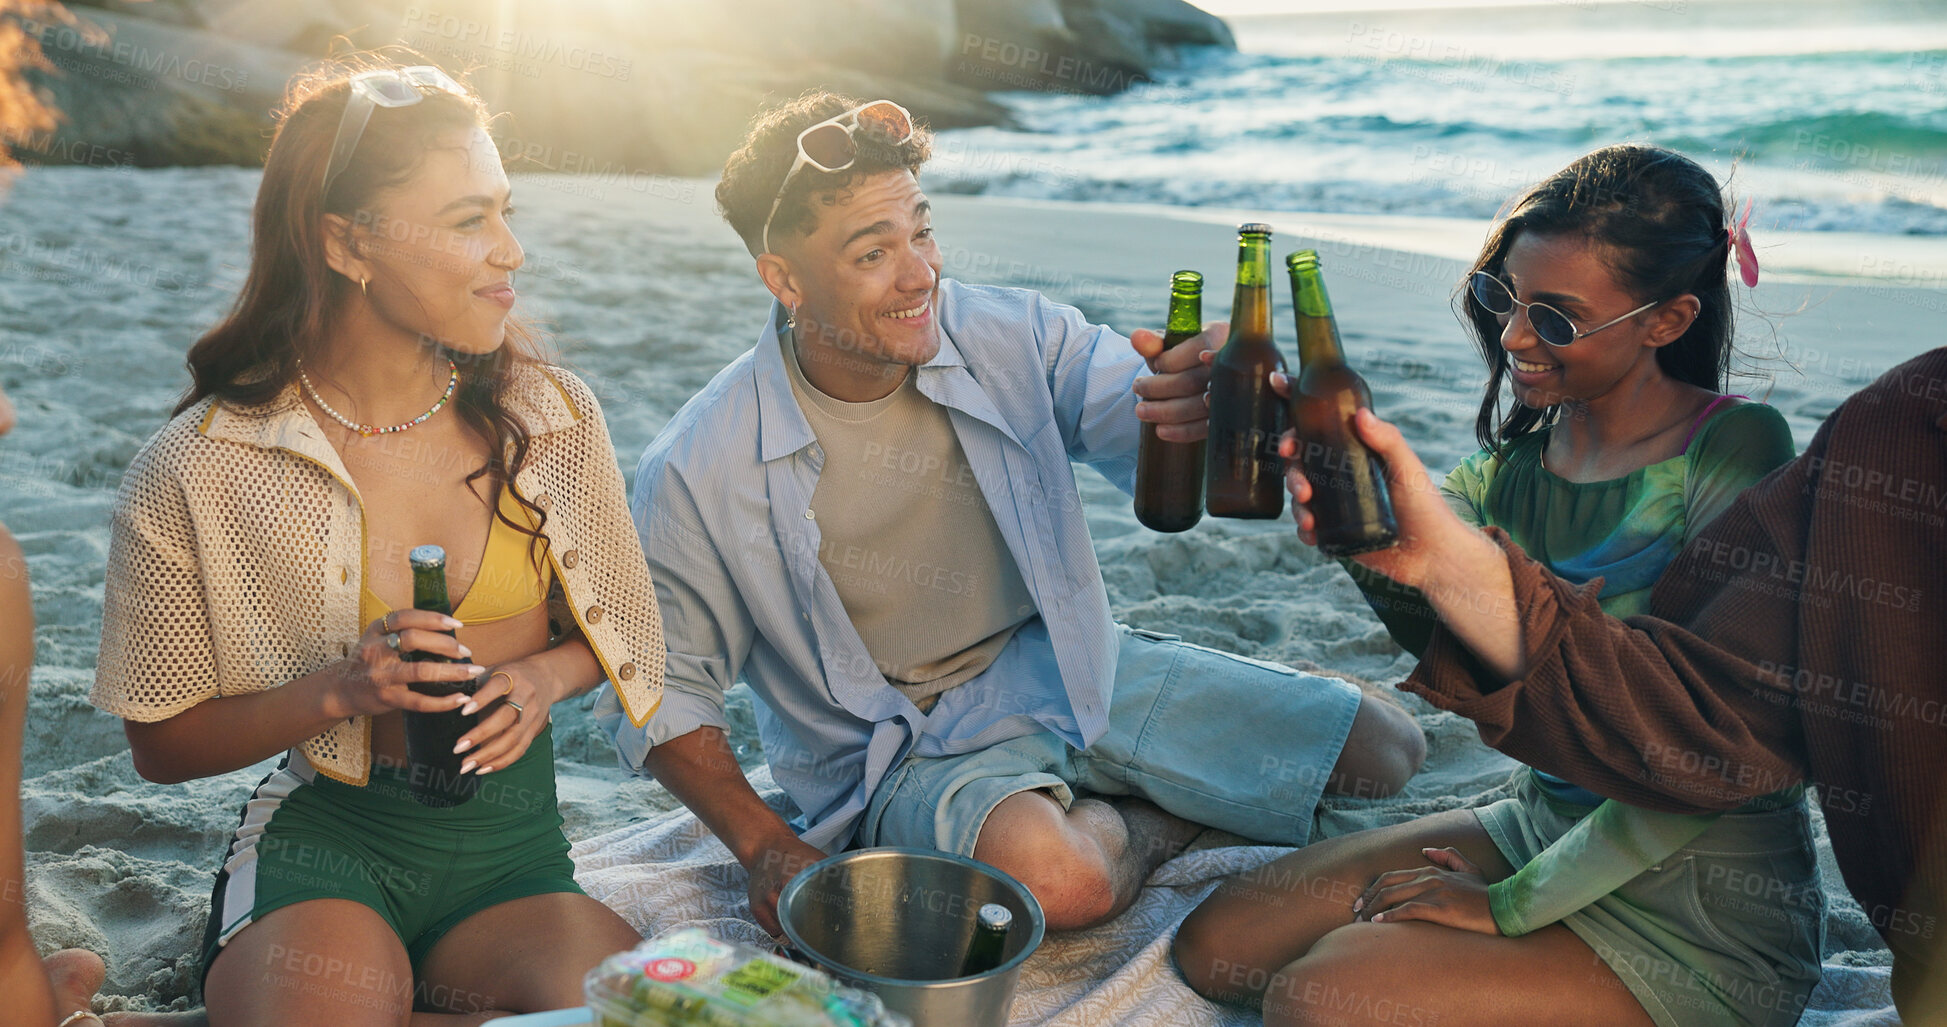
<point x="722" y="502"/>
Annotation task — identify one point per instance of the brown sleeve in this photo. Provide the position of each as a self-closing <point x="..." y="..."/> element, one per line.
<point x="1648" y="711"/>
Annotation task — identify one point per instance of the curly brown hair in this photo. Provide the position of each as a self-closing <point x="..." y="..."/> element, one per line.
<point x="751" y="176"/>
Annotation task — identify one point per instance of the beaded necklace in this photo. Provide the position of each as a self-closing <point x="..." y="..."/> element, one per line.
<point x="366" y="430"/>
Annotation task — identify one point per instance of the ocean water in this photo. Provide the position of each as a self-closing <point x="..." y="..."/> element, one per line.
<point x="1832" y="117"/>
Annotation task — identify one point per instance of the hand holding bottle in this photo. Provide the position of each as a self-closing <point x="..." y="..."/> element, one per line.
<point x="1172" y="398"/>
<point x="1459" y="569"/>
<point x="1424" y="516"/>
<point x="376" y="677"/>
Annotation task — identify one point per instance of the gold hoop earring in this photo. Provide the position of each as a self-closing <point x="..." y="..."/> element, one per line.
<point x="362" y="290"/>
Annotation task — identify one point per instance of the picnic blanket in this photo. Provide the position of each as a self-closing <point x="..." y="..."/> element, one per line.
<point x="669" y="871"/>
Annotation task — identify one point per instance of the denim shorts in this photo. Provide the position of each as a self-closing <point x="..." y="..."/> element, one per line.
<point x="1725" y="932"/>
<point x="1222" y="740"/>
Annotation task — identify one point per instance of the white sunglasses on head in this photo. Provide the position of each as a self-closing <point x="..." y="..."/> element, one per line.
<point x="829" y="146"/>
<point x="380" y="87"/>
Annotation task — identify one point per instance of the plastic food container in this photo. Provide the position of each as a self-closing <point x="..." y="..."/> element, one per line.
<point x="686" y="977"/>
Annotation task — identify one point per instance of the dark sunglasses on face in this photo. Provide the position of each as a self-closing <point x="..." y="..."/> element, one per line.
<point x="1551" y="326"/>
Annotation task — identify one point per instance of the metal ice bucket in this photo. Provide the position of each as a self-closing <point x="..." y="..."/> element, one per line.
<point x="897" y="922"/>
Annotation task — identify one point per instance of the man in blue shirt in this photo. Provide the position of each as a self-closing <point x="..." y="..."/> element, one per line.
<point x="872" y="518"/>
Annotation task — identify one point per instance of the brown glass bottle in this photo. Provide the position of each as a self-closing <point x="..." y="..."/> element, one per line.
<point x="433" y="767"/>
<point x="1169" y="475"/>
<point x="1351" y="508"/>
<point x="1245" y="474"/>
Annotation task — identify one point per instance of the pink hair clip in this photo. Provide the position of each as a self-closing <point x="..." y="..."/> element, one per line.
<point x="1747" y="258"/>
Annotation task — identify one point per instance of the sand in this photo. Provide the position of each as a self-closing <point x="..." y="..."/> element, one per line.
<point x="106" y="276"/>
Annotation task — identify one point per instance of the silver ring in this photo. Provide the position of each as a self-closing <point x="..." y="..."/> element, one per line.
<point x="518" y="708"/>
<point x="392" y="639"/>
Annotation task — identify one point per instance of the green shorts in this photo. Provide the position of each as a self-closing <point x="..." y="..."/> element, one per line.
<point x="305" y="836"/>
<point x="1725" y="932"/>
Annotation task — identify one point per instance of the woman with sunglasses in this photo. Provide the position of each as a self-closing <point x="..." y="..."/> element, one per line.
<point x="371" y="392"/>
<point x="1603" y="301"/>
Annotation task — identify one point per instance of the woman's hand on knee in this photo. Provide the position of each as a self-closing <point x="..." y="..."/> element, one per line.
<point x="1451" y="891"/>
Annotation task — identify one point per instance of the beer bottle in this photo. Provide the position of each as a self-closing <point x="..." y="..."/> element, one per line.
<point x="434" y="767"/>
<point x="1169" y="475"/>
<point x="1245" y="473"/>
<point x="1350" y="504"/>
<point x="989" y="947"/>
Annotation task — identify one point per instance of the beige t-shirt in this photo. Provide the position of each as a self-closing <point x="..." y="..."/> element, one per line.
<point x="908" y="540"/>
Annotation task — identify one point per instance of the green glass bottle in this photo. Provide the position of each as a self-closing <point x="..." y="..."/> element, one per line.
<point x="989" y="947"/>
<point x="1351" y="505"/>
<point x="1245" y="473"/>
<point x="433" y="766"/>
<point x="1169" y="475"/>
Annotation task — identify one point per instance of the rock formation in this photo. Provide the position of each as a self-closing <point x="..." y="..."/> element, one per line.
<point x="639" y="86"/>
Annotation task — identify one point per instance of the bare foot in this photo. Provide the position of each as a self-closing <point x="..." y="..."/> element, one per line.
<point x="76" y="975"/>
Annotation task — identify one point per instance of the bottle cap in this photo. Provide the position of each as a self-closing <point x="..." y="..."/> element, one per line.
<point x="425" y="558"/>
<point x="995" y="917"/>
<point x="1253" y="228"/>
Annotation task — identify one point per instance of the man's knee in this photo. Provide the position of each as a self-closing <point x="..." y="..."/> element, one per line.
<point x="1064" y="867"/>
<point x="1069" y="877"/>
<point x="1384" y="750"/>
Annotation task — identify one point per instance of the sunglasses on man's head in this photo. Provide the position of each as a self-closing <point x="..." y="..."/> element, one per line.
<point x="830" y="145"/>
<point x="1551" y="326"/>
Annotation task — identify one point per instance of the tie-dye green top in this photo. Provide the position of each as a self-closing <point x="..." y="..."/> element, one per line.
<point x="1626" y="531"/>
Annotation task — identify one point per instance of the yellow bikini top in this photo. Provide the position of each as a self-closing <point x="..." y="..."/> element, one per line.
<point x="508" y="583"/>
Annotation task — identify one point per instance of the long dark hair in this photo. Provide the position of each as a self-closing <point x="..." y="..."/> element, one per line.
<point x="291" y="296"/>
<point x="1658" y="220"/>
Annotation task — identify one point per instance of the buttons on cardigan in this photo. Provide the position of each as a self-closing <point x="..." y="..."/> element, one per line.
<point x="570" y="558"/>
<point x="595" y="614"/>
<point x="544" y="501"/>
<point x="626" y="672"/>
